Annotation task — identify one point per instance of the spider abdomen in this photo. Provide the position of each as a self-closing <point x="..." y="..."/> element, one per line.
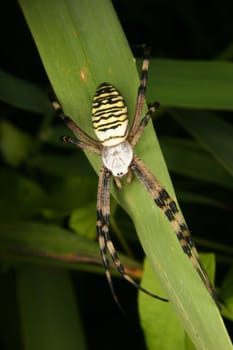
<point x="109" y="115"/>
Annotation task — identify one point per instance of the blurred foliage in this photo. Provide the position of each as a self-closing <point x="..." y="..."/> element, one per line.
<point x="48" y="190"/>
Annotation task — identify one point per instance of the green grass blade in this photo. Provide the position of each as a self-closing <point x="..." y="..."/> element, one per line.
<point x="81" y="45"/>
<point x="193" y="84"/>
<point x="162" y="332"/>
<point x="49" y="314"/>
<point x="22" y="94"/>
<point x="16" y="145"/>
<point x="187" y="158"/>
<point x="165" y="332"/>
<point x="33" y="242"/>
<point x="212" y="133"/>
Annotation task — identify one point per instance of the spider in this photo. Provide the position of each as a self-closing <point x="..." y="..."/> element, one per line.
<point x="116" y="141"/>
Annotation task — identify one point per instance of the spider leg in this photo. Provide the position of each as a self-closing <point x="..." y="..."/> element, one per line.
<point x="121" y="269"/>
<point x="103" y="221"/>
<point x="103" y="251"/>
<point x="141" y="91"/>
<point x="169" y="207"/>
<point x="70" y="124"/>
<point x="143" y="124"/>
<point x="81" y="144"/>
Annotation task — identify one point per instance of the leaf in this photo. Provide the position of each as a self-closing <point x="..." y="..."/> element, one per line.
<point x="60" y="165"/>
<point x="20" y="197"/>
<point x="193" y="197"/>
<point x="49" y="313"/>
<point x="192" y="84"/>
<point x="161" y="326"/>
<point x="15" y="144"/>
<point x="70" y="192"/>
<point x="227" y="295"/>
<point x="83" y="221"/>
<point x="49" y="244"/>
<point x="189" y="159"/>
<point x="22" y="94"/>
<point x="212" y="133"/>
<point x="208" y="260"/>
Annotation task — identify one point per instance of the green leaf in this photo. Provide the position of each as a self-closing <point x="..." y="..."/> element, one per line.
<point x="193" y="197"/>
<point x="80" y="50"/>
<point x="20" y="197"/>
<point x="45" y="243"/>
<point x="162" y="327"/>
<point x="192" y="84"/>
<point x="209" y="262"/>
<point x="189" y="159"/>
<point x="49" y="313"/>
<point x="227" y="295"/>
<point x="83" y="222"/>
<point x="15" y="144"/>
<point x="160" y="324"/>
<point x="60" y="165"/>
<point x="70" y="193"/>
<point x="212" y="133"/>
<point x="22" y="94"/>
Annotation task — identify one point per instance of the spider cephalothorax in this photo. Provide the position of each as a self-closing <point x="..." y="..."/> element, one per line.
<point x="115" y="146"/>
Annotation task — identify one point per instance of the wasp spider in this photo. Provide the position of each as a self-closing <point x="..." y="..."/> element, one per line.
<point x="116" y="143"/>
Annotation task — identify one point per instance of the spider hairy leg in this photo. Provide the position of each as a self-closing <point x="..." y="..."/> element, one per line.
<point x="80" y="144"/>
<point x="118" y="183"/>
<point x="103" y="252"/>
<point x="129" y="177"/>
<point x="144" y="122"/>
<point x="103" y="221"/>
<point x="121" y="268"/>
<point x="170" y="209"/>
<point x="75" y="128"/>
<point x="168" y="205"/>
<point x="141" y="91"/>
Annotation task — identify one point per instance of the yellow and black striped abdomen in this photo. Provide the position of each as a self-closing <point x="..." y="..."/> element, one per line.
<point x="109" y="115"/>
